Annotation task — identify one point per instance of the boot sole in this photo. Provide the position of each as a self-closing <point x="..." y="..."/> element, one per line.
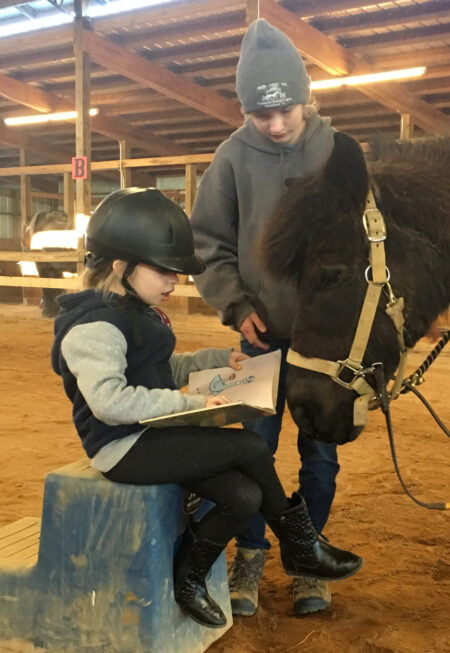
<point x="327" y="578"/>
<point x="203" y="623"/>
<point x="192" y="616"/>
<point x="310" y="606"/>
<point x="243" y="607"/>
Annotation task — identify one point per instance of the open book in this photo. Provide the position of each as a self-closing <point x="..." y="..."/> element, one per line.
<point x="251" y="390"/>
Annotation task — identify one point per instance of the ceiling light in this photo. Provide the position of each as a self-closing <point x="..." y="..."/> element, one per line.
<point x="23" y="26"/>
<point x="95" y="11"/>
<point x="45" y="117"/>
<point x="372" y="78"/>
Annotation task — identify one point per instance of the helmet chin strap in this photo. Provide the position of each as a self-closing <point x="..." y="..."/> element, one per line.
<point x="126" y="284"/>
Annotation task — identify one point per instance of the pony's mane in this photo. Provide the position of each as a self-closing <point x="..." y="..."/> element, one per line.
<point x="410" y="179"/>
<point x="432" y="150"/>
<point x="305" y="208"/>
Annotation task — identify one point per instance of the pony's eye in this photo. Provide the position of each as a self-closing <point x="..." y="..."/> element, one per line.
<point x="328" y="277"/>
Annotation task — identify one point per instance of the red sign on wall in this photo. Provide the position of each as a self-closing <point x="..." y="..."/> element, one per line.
<point x="79" y="167"/>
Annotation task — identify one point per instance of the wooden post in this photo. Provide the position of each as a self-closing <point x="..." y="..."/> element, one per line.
<point x="83" y="120"/>
<point x="125" y="173"/>
<point x="82" y="105"/>
<point x="68" y="195"/>
<point x="25" y="196"/>
<point x="406" y="126"/>
<point x="25" y="207"/>
<point x="251" y="11"/>
<point x="190" y="187"/>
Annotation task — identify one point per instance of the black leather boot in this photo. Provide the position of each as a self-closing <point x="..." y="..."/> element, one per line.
<point x="191" y="565"/>
<point x="304" y="552"/>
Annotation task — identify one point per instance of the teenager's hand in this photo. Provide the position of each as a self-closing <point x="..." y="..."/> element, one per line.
<point x="248" y="329"/>
<point x="235" y="358"/>
<point x="218" y="400"/>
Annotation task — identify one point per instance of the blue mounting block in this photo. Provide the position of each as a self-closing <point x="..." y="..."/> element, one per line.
<point x="102" y="581"/>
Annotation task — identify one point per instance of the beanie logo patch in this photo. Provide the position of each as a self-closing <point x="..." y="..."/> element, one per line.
<point x="273" y="95"/>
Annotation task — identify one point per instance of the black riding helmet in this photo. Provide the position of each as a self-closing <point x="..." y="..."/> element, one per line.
<point x="141" y="225"/>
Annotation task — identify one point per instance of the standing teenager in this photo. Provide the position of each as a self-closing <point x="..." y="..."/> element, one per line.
<point x="114" y="349"/>
<point x="282" y="137"/>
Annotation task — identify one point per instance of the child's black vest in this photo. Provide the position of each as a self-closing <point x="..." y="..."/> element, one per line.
<point x="150" y="344"/>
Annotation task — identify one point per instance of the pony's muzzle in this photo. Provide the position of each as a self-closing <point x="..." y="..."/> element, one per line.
<point x="318" y="432"/>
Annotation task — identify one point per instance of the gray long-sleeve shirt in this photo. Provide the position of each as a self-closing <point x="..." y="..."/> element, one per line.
<point x="237" y="195"/>
<point x="96" y="355"/>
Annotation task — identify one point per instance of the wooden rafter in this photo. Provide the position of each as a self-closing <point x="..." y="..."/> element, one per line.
<point x="30" y="96"/>
<point x="45" y="101"/>
<point x="399" y="16"/>
<point x="116" y="58"/>
<point x="166" y="12"/>
<point x="413" y="36"/>
<point x="36" y="40"/>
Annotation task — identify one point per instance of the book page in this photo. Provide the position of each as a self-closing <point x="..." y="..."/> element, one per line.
<point x="251" y="390"/>
<point x="255" y="384"/>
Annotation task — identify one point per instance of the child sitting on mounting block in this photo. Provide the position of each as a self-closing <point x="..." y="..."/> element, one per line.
<point x="114" y="350"/>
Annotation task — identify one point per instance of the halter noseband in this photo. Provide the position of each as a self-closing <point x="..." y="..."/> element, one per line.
<point x="350" y="373"/>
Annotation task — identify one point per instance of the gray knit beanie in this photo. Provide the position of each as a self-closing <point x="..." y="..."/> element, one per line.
<point x="270" y="72"/>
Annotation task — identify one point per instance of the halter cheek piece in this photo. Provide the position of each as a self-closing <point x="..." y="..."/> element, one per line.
<point x="350" y="373"/>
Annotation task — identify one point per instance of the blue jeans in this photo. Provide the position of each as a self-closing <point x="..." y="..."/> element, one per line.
<point x="319" y="465"/>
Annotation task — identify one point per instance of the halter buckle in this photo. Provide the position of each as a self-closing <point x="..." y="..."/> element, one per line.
<point x="374" y="225"/>
<point x="347" y="374"/>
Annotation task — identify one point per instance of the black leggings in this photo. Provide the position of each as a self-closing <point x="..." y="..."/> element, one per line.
<point x="231" y="467"/>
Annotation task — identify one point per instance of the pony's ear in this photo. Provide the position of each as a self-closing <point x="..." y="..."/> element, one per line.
<point x="341" y="185"/>
<point x="346" y="169"/>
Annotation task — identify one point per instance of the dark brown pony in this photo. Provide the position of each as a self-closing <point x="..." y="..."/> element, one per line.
<point x="45" y="221"/>
<point x="316" y="239"/>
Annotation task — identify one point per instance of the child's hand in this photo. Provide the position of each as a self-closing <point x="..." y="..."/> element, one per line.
<point x="234" y="359"/>
<point x="218" y="400"/>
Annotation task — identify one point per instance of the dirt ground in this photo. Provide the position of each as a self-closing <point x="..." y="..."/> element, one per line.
<point x="398" y="603"/>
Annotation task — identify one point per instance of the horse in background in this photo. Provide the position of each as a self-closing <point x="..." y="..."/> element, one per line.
<point x="49" y="221"/>
<point x="316" y="240"/>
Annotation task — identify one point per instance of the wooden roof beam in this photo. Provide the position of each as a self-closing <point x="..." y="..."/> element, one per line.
<point x="31" y="96"/>
<point x="337" y="60"/>
<point x="313" y="8"/>
<point x="423" y="57"/>
<point x="386" y="18"/>
<point x="45" y="101"/>
<point x="37" y="40"/>
<point x="118" y="59"/>
<point x="311" y="43"/>
<point x="400" y="38"/>
<point x="166" y="13"/>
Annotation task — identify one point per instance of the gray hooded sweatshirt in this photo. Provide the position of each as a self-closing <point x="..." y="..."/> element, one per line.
<point x="237" y="195"/>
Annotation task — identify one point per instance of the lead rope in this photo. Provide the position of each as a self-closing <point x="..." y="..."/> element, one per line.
<point x="383" y="397"/>
<point x="409" y="384"/>
<point x="417" y="377"/>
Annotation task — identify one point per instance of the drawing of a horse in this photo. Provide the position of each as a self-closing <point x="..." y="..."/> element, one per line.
<point x="316" y="238"/>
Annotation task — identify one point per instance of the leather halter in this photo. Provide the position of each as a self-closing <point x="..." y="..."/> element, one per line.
<point x="349" y="373"/>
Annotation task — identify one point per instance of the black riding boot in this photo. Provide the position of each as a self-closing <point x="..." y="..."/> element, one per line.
<point x="191" y="565"/>
<point x="304" y="552"/>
